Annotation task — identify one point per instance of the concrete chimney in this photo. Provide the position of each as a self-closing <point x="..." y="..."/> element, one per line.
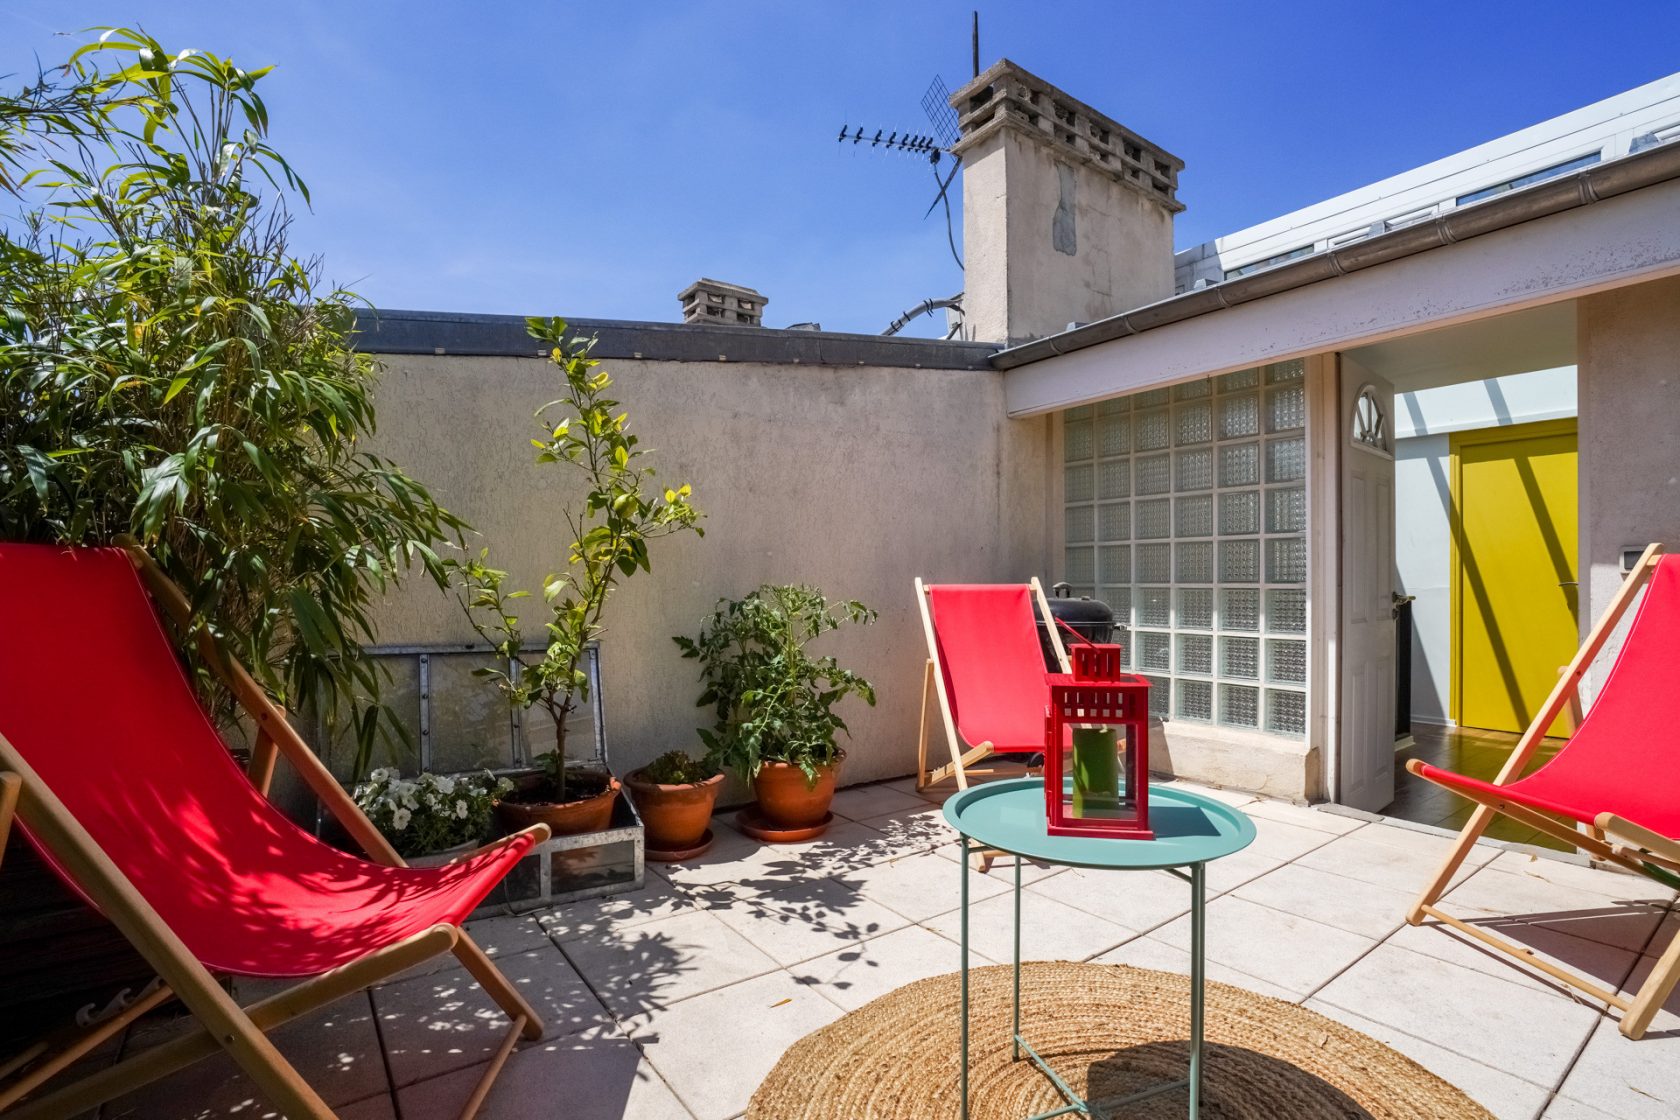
<point x="1067" y="215"/>
<point x="713" y="301"/>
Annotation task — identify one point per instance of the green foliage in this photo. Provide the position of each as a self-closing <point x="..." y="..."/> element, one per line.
<point x="677" y="768"/>
<point x="774" y="701"/>
<point x="170" y="369"/>
<point x="621" y="511"/>
<point x="431" y="812"/>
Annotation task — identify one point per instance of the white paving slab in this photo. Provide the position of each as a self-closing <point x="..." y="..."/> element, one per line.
<point x="1136" y="900"/>
<point x="1050" y="930"/>
<point x="1287" y="950"/>
<point x="861" y="802"/>
<point x="660" y="962"/>
<point x="1350" y="904"/>
<point x="803" y="920"/>
<point x="922" y="885"/>
<point x="852" y="977"/>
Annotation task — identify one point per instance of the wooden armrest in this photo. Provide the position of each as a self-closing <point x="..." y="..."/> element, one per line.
<point x="1640" y="837"/>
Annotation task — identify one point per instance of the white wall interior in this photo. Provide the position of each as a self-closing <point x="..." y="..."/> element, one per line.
<point x="1423" y="422"/>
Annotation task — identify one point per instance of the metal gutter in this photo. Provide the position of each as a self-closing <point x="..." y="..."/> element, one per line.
<point x="435" y="332"/>
<point x="1594" y="184"/>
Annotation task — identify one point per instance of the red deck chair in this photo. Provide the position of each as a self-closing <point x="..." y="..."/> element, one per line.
<point x="1613" y="790"/>
<point x="116" y="776"/>
<point x="987" y="669"/>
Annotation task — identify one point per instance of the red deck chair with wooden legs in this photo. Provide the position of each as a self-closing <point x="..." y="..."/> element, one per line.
<point x="986" y="667"/>
<point x="115" y="775"/>
<point x="1613" y="790"/>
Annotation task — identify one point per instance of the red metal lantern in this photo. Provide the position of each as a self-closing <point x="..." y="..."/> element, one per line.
<point x="1096" y="752"/>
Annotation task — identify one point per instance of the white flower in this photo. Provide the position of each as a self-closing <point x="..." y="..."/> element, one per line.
<point x="444" y="786"/>
<point x="400" y="819"/>
<point x="461" y="810"/>
<point x="379" y="775"/>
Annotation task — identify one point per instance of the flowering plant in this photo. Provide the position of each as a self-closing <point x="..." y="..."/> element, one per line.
<point x="431" y="812"/>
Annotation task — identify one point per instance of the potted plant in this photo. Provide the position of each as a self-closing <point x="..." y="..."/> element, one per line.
<point x="433" y="818"/>
<point x="776" y="723"/>
<point x="620" y="512"/>
<point x="675" y="794"/>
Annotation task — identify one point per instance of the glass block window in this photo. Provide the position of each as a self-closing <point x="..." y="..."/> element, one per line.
<point x="1187" y="513"/>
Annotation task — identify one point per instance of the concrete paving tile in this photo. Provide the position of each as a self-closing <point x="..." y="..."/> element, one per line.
<point x="381" y="1107"/>
<point x="436" y="1023"/>
<point x="1050" y="930"/>
<point x="591" y="917"/>
<point x="1387" y="856"/>
<point x="803" y="920"/>
<point x="1501" y="1092"/>
<point x="511" y="934"/>
<point x="579" y="1078"/>
<point x="1292" y="952"/>
<point x="922" y="885"/>
<point x="916" y="830"/>
<point x="715" y="1049"/>
<point x="853" y="976"/>
<point x="1235" y="797"/>
<point x="1136" y="900"/>
<point x="1304" y="815"/>
<point x="861" y="802"/>
<point x="1563" y="1108"/>
<point x="1350" y="904"/>
<point x="1604" y="963"/>
<point x="1233" y="871"/>
<point x="1618" y="910"/>
<point x="1625" y="1079"/>
<point x="336" y="1050"/>
<point x="737" y="859"/>
<point x="663" y="961"/>
<point x="1147" y="952"/>
<point x="1482" y="1017"/>
<point x="1284" y="840"/>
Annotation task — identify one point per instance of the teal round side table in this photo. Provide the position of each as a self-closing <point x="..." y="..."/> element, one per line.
<point x="1190" y="831"/>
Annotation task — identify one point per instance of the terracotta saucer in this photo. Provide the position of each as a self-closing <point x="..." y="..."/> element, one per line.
<point x="678" y="855"/>
<point x="754" y="823"/>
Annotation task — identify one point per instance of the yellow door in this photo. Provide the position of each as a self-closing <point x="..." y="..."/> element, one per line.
<point x="1515" y="592"/>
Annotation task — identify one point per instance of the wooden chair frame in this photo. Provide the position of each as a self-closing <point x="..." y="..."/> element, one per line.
<point x="241" y="1031"/>
<point x="1611" y="838"/>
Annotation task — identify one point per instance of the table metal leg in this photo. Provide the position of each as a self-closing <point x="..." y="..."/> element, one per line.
<point x="1015" y="1031"/>
<point x="1198" y="945"/>
<point x="962" y="869"/>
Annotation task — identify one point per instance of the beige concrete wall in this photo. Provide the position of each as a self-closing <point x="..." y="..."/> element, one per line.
<point x="1051" y="240"/>
<point x="854" y="479"/>
<point x="1629" y="399"/>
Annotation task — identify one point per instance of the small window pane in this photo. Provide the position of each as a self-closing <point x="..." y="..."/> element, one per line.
<point x="1286" y="560"/>
<point x="1078" y="525"/>
<point x="1286" y="611"/>
<point x="1081" y="412"/>
<point x="1114" y="480"/>
<point x="1193" y="390"/>
<point x="1193" y="517"/>
<point x="1239" y="705"/>
<point x="1286" y="510"/>
<point x="1195" y="701"/>
<point x="1114" y="435"/>
<point x="1152" y="475"/>
<point x="1240" y="657"/>
<point x="1195" y="562"/>
<point x="1239" y="561"/>
<point x="1154" y="520"/>
<point x="1239" y="513"/>
<point x="1286" y="408"/>
<point x="1239" y="465"/>
<point x="1239" y="416"/>
<point x="1155" y="652"/>
<point x="1114" y="406"/>
<point x="1194" y="469"/>
<point x="1114" y="521"/>
<point x="1076" y="440"/>
<point x="1195" y="423"/>
<point x="1239" y="609"/>
<point x="1286" y="460"/>
<point x="1152" y="431"/>
<point x="1241" y="379"/>
<point x="1115" y="561"/>
<point x="1279" y="373"/>
<point x="1152" y="398"/>
<point x="1195" y="654"/>
<point x="1154" y="563"/>
<point x="1079" y="565"/>
<point x="1076" y="482"/>
<point x="1160" y="697"/>
<point x="1119" y="600"/>
<point x="1286" y="712"/>
<point x="1154" y="607"/>
<point x="1286" y="661"/>
<point x="1195" y="608"/>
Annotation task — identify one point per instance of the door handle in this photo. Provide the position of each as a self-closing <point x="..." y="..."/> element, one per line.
<point x="1570" y="583"/>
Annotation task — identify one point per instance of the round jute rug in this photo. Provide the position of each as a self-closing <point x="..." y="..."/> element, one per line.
<point x="1108" y="1030"/>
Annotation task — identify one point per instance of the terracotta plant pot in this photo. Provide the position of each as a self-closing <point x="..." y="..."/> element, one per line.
<point x="788" y="801"/>
<point x="570" y="818"/>
<point x="674" y="817"/>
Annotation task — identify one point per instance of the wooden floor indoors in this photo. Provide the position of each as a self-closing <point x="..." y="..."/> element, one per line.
<point x="1470" y="751"/>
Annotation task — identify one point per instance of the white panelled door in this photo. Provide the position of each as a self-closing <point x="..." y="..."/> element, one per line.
<point x="1368" y="666"/>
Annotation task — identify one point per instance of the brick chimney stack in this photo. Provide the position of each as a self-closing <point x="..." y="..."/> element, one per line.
<point x="713" y="301"/>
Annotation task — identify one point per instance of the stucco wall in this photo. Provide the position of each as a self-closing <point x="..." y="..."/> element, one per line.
<point x="856" y="479"/>
<point x="1629" y="430"/>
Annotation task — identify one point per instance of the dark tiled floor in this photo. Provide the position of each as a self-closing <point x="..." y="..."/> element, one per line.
<point x="1478" y="754"/>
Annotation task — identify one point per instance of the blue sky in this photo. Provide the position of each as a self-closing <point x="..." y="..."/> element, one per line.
<point x="592" y="159"/>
